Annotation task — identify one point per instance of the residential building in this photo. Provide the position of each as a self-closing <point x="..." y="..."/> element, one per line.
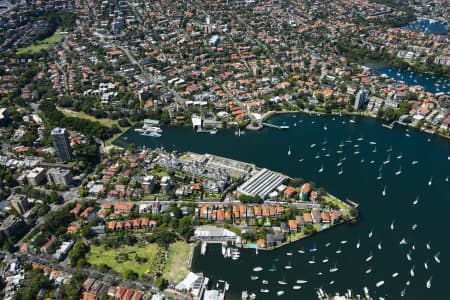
<point x="20" y="203"/>
<point x="61" y="143"/>
<point x="360" y="99"/>
<point x="36" y="176"/>
<point x="12" y="225"/>
<point x="59" y="176"/>
<point x="165" y="185"/>
<point x="148" y="184"/>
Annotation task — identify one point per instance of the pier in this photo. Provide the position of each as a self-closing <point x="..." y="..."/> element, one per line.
<point x="280" y="127"/>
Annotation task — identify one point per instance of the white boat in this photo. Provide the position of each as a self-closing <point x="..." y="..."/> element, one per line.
<point x="312" y="145"/>
<point x="257" y="269"/>
<point x="289" y="253"/>
<point x="425" y="265"/>
<point x="408" y="283"/>
<point x="301" y="159"/>
<point x="301" y="251"/>
<point x="379" y="246"/>
<point x="369" y="258"/>
<point x="399" y="171"/>
<point x="343" y="242"/>
<point x="265" y="282"/>
<point x="403" y="241"/>
<point x="289" y="151"/>
<point x="374" y="150"/>
<point x="384" y="191"/>
<point x="253" y="277"/>
<point x="289" y="266"/>
<point x="403" y="293"/>
<point x="325" y="260"/>
<point x="394" y="275"/>
<point x="321" y="169"/>
<point x="312" y="261"/>
<point x="370" y="234"/>
<point x="338" y="251"/>
<point x="358" y="244"/>
<point x="416" y="200"/>
<point x="360" y="138"/>
<point x="430" y="182"/>
<point x="369" y="270"/>
<point x="392" y="225"/>
<point x="446" y="179"/>
<point x="331" y="282"/>
<point x="411" y="272"/>
<point x="408" y="256"/>
<point x="341" y="171"/>
<point x="300" y="281"/>
<point x="414" y="162"/>
<point x="388" y="159"/>
<point x="366" y="293"/>
<point x="280" y="293"/>
<point x="317" y="156"/>
<point x="414" y="227"/>
<point x="296" y="287"/>
<point x="379" y="283"/>
<point x="325" y="127"/>
<point x="264" y="290"/>
<point x="428" y="246"/>
<point x="436" y="258"/>
<point x="400" y="156"/>
<point x="282" y="282"/>
<point x="327" y="244"/>
<point x="428" y="284"/>
<point x="339" y="163"/>
<point x="334" y="269"/>
<point x="373" y="143"/>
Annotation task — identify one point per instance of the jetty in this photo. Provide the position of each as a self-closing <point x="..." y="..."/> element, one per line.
<point x="280" y="127"/>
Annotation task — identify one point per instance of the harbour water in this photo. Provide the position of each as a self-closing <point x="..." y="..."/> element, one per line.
<point x="430" y="83"/>
<point x="268" y="148"/>
<point x="428" y="26"/>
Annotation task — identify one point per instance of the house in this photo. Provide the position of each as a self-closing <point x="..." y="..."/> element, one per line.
<point x="44" y="248"/>
<point x="335" y="216"/>
<point x="123" y="207"/>
<point x="300" y="221"/>
<point x="316" y="216"/>
<point x="261" y="243"/>
<point x="308" y="218"/>
<point x="76" y="210"/>
<point x="304" y="192"/>
<point x="289" y="192"/>
<point x="292" y="225"/>
<point x="325" y="217"/>
<point x="284" y="227"/>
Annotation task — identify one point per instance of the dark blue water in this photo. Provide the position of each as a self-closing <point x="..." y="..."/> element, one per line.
<point x="268" y="148"/>
<point x="428" y="27"/>
<point x="431" y="83"/>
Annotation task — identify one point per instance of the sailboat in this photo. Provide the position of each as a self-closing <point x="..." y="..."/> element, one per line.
<point x="369" y="270"/>
<point x="325" y="260"/>
<point x="411" y="272"/>
<point x="425" y="265"/>
<point x="358" y="244"/>
<point x="317" y="155"/>
<point x="428" y="246"/>
<point x="301" y="251"/>
<point x="446" y="179"/>
<point x="416" y="200"/>
<point x="282" y="282"/>
<point x="273" y="269"/>
<point x="403" y="293"/>
<point x="325" y="127"/>
<point x="428" y="284"/>
<point x="384" y="191"/>
<point x="414" y="162"/>
<point x="388" y="159"/>
<point x="312" y="261"/>
<point x="379" y="246"/>
<point x="414" y="227"/>
<point x="408" y="256"/>
<point x="430" y="182"/>
<point x="341" y="171"/>
<point x="340" y="162"/>
<point x="289" y="266"/>
<point x="379" y="283"/>
<point x="370" y="234"/>
<point x="436" y="258"/>
<point x="403" y="241"/>
<point x="394" y="275"/>
<point x="399" y="171"/>
<point x="321" y="169"/>
<point x="400" y="156"/>
<point x="392" y="225"/>
<point x="369" y="258"/>
<point x="334" y="269"/>
<point x="289" y="151"/>
<point x="339" y="251"/>
<point x="374" y="149"/>
<point x="380" y="176"/>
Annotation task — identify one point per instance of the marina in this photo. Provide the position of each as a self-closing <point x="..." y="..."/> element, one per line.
<point x="407" y="203"/>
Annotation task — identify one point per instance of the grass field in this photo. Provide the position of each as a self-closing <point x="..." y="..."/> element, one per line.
<point x="79" y="114"/>
<point x="177" y="266"/>
<point x="99" y="255"/>
<point x="42" y="45"/>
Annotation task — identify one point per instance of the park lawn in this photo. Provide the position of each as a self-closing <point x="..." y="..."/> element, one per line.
<point x="99" y="255"/>
<point x="332" y="200"/>
<point x="42" y="45"/>
<point x="177" y="266"/>
<point x="79" y="114"/>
